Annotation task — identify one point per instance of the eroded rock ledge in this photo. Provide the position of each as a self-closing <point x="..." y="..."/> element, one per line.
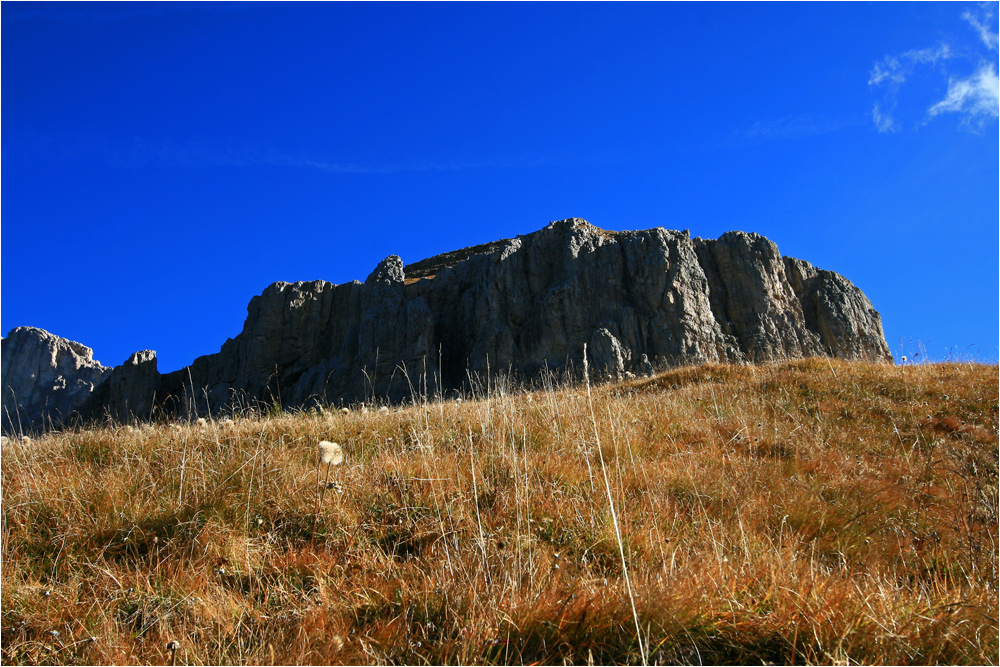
<point x="515" y="306"/>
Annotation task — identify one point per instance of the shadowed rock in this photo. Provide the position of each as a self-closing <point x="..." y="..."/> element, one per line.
<point x="132" y="388"/>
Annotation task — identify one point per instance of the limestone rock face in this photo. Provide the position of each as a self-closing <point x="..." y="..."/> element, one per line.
<point x="842" y="316"/>
<point x="526" y="304"/>
<point x="45" y="378"/>
<point x="517" y="307"/>
<point x="752" y="298"/>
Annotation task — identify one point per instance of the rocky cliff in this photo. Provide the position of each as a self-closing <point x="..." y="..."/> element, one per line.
<point x="45" y="378"/>
<point x="514" y="306"/>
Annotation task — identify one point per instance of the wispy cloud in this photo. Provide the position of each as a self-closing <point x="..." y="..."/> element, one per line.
<point x="981" y="23"/>
<point x="795" y="127"/>
<point x="894" y="70"/>
<point x="977" y="97"/>
<point x="272" y="159"/>
<point x="33" y="148"/>
<point x="883" y="121"/>
<point x="972" y="96"/>
<point x="891" y="73"/>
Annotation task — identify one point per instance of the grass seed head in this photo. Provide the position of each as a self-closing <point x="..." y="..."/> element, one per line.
<point x="330" y="453"/>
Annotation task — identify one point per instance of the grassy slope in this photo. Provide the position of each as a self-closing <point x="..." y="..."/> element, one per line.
<point x="808" y="512"/>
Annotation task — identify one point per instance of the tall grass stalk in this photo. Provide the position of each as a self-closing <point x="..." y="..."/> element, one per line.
<point x="611" y="506"/>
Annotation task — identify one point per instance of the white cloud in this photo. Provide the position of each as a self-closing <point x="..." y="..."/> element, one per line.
<point x="990" y="38"/>
<point x="894" y="70"/>
<point x="978" y="96"/>
<point x="883" y="121"/>
<point x="972" y="96"/>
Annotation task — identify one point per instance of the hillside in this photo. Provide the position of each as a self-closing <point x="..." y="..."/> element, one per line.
<point x="816" y="511"/>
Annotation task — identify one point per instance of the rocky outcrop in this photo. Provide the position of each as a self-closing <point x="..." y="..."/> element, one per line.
<point x="45" y="379"/>
<point x="516" y="307"/>
<point x="839" y="313"/>
<point x="132" y="388"/>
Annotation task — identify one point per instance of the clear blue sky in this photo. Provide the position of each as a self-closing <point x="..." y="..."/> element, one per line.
<point x="163" y="163"/>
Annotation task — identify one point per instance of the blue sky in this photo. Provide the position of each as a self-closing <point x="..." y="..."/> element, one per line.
<point x="163" y="163"/>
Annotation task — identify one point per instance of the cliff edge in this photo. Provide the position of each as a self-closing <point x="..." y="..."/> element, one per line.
<point x="515" y="306"/>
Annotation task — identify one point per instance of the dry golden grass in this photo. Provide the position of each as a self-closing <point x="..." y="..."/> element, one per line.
<point x="807" y="512"/>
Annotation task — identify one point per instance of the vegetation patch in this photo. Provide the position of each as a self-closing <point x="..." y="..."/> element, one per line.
<point x="809" y="512"/>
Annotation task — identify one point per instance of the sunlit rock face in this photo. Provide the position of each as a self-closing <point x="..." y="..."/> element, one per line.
<point x="518" y="307"/>
<point x="45" y="379"/>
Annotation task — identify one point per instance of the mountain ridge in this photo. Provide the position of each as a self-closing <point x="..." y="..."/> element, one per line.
<point x="518" y="306"/>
